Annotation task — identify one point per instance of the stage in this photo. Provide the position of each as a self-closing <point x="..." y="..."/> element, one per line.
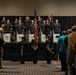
<point x="11" y="51"/>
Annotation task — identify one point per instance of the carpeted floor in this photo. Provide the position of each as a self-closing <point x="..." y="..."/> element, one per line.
<point x="41" y="68"/>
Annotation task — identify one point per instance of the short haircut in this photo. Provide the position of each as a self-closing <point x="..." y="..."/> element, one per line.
<point x="73" y="28"/>
<point x="64" y="32"/>
<point x="69" y="31"/>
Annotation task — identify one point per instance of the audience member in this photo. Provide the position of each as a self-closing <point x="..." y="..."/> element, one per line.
<point x="61" y="51"/>
<point x="1" y="51"/>
<point x="66" y="52"/>
<point x="57" y="26"/>
<point x="71" y="48"/>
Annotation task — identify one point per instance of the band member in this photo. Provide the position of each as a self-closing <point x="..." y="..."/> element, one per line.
<point x="49" y="17"/>
<point x="27" y="24"/>
<point x="34" y="47"/>
<point x="32" y="27"/>
<point x="14" y="27"/>
<point x="16" y="21"/>
<point x="20" y="18"/>
<point x="47" y="28"/>
<point x="22" y="51"/>
<point x="57" y="26"/>
<point x="3" y="21"/>
<point x="8" y="27"/>
<point x="43" y="26"/>
<point x="39" y="22"/>
<point x="19" y="28"/>
<point x="48" y="50"/>
<point x="51" y="22"/>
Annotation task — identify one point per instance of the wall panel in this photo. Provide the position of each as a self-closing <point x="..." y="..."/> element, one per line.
<point x="1" y="7"/>
<point x="43" y="7"/>
<point x="52" y="7"/>
<point x="29" y="7"/>
<point x="8" y="7"/>
<point x="63" y="8"/>
<point x="72" y="7"/>
<point x="20" y="7"/>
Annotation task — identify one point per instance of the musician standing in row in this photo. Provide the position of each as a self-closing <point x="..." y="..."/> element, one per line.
<point x="57" y="26"/>
<point x="27" y="23"/>
<point x="47" y="28"/>
<point x="3" y="22"/>
<point x="32" y="27"/>
<point x="43" y="26"/>
<point x="39" y="22"/>
<point x="19" y="27"/>
<point x="8" y="27"/>
<point x="15" y="24"/>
